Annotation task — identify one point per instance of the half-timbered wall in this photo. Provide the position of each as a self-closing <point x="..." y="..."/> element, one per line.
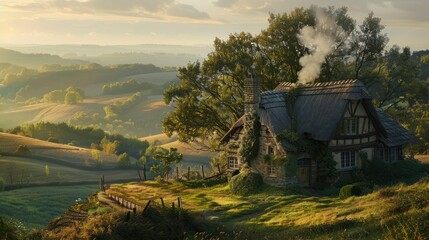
<point x="356" y="129"/>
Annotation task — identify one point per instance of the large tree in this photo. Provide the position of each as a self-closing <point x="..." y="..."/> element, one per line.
<point x="209" y="97"/>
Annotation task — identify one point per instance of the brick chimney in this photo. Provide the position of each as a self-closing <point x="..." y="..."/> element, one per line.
<point x="251" y="94"/>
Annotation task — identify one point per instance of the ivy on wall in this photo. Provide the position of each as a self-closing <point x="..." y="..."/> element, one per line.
<point x="316" y="149"/>
<point x="250" y="138"/>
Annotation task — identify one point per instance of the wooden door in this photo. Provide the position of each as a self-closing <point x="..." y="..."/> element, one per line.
<point x="303" y="171"/>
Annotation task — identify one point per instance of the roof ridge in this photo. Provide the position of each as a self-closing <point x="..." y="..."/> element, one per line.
<point x="318" y="84"/>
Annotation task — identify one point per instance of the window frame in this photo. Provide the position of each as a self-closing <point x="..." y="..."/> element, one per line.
<point x="351" y="126"/>
<point x="233" y="163"/>
<point x="348" y="160"/>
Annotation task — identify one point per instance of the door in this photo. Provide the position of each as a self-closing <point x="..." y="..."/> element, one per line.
<point x="303" y="171"/>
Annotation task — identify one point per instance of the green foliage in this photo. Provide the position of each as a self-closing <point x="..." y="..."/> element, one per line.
<point x="117" y="108"/>
<point x="23" y="149"/>
<point x="156" y="223"/>
<point x="96" y="156"/>
<point x="199" y="183"/>
<point x="83" y="137"/>
<point x="377" y="171"/>
<point x="109" y="147"/>
<point x="249" y="142"/>
<point x="246" y="183"/>
<point x="69" y="96"/>
<point x="416" y="120"/>
<point x="165" y="159"/>
<point x="130" y="86"/>
<point x="11" y="229"/>
<point x="355" y="189"/>
<point x="316" y="149"/>
<point x="47" y="172"/>
<point x="124" y="160"/>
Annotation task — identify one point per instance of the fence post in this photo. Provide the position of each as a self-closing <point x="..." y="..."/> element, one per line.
<point x="128" y="216"/>
<point x="218" y="168"/>
<point x="144" y="172"/>
<point x="172" y="205"/>
<point x="146" y="207"/>
<point x="202" y="170"/>
<point x="177" y="173"/>
<point x="189" y="173"/>
<point x="162" y="202"/>
<point x="179" y="202"/>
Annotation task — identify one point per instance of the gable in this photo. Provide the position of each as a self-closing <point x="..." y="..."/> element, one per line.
<point x="319" y="108"/>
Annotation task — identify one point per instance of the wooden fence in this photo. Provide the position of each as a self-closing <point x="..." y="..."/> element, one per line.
<point x="135" y="207"/>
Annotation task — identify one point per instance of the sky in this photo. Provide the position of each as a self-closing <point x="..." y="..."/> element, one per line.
<point x="186" y="22"/>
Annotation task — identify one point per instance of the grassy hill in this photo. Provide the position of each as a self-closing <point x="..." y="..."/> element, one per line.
<point x="67" y="164"/>
<point x="32" y="60"/>
<point x="146" y="115"/>
<point x="396" y="212"/>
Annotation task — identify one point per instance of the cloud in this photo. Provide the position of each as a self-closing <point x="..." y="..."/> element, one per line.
<point x="159" y="9"/>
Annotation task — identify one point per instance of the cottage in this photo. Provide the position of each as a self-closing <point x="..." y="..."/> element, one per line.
<point x="338" y="115"/>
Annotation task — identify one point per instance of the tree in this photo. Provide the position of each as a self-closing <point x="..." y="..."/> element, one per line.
<point x="96" y="155"/>
<point x="165" y="160"/>
<point x="209" y="97"/>
<point x="397" y="71"/>
<point x="367" y="44"/>
<point x="124" y="160"/>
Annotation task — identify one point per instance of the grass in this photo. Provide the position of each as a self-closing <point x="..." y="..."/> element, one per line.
<point x="36" y="206"/>
<point x="299" y="216"/>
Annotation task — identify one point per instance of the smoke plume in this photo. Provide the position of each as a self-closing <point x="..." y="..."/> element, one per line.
<point x="320" y="40"/>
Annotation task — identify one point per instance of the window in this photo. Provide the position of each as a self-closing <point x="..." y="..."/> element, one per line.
<point x="399" y="153"/>
<point x="384" y="154"/>
<point x="270" y="150"/>
<point x="233" y="162"/>
<point x="390" y="154"/>
<point x="348" y="159"/>
<point x="350" y="126"/>
<point x="272" y="171"/>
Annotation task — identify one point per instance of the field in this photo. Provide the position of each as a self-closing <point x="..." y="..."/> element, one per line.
<point x="67" y="164"/>
<point x="397" y="212"/>
<point x="36" y="206"/>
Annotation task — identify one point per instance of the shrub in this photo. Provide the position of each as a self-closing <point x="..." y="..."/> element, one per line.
<point x="124" y="160"/>
<point x="205" y="183"/>
<point x="10" y="229"/>
<point x="355" y="189"/>
<point x="246" y="183"/>
<point x="23" y="149"/>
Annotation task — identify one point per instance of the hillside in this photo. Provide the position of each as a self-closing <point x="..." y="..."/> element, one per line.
<point x="89" y="77"/>
<point x="146" y="114"/>
<point x="34" y="60"/>
<point x="66" y="163"/>
<point x="396" y="212"/>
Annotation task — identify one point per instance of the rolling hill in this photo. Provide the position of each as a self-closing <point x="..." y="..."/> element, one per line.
<point x="35" y="61"/>
<point x="67" y="164"/>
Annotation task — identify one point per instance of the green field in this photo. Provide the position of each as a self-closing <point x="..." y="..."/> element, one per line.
<point x="36" y="206"/>
<point x="397" y="212"/>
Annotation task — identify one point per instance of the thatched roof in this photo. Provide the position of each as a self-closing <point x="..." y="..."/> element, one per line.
<point x="396" y="134"/>
<point x="319" y="109"/>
